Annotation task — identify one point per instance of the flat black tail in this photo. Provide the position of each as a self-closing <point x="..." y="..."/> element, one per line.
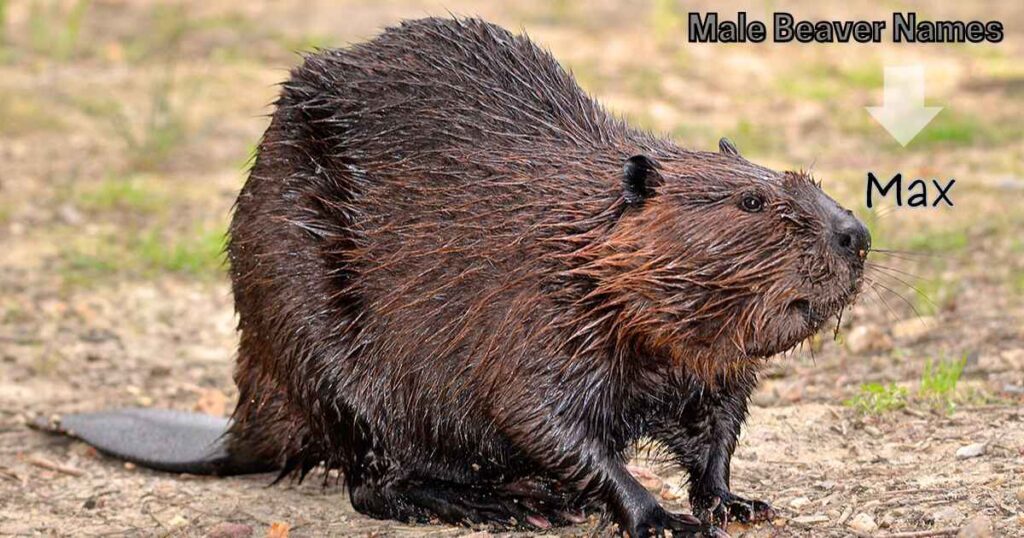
<point x="160" y="439"/>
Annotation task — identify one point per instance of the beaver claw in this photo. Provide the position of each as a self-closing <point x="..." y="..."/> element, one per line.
<point x="725" y="507"/>
<point x="659" y="521"/>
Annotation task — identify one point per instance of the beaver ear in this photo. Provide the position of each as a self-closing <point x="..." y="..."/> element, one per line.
<point x="639" y="177"/>
<point x="727" y="147"/>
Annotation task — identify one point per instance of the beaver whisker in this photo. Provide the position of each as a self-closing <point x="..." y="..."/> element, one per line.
<point x="900" y="280"/>
<point x="906" y="254"/>
<point x="919" y="292"/>
<point x="889" y="311"/>
<point x="875" y="265"/>
<point x="900" y="296"/>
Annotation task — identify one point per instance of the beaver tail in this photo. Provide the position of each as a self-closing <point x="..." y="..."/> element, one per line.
<point x="162" y="439"/>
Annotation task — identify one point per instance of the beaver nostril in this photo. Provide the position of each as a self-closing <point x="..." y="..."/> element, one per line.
<point x="852" y="238"/>
<point x="845" y="240"/>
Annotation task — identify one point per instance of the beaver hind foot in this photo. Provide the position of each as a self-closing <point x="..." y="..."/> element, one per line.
<point x="524" y="504"/>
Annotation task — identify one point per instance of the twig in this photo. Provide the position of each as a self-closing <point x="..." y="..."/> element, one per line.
<point x="9" y="474"/>
<point x="908" y="491"/>
<point x="40" y="461"/>
<point x="923" y="534"/>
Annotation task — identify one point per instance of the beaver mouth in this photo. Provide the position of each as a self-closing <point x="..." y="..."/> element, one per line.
<point x="802" y="317"/>
<point x="802" y="308"/>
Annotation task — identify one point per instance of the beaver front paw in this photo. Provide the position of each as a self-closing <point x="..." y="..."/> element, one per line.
<point x="721" y="508"/>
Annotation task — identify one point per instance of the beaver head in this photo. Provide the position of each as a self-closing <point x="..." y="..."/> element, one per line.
<point x="718" y="260"/>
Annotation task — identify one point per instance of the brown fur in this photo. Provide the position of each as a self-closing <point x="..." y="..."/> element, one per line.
<point x="438" y="274"/>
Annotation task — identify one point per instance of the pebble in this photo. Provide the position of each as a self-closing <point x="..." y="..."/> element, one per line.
<point x="971" y="451"/>
<point x="1014" y="356"/>
<point x="948" y="516"/>
<point x="991" y="362"/>
<point x="847" y="512"/>
<point x="229" y="530"/>
<point x="70" y="215"/>
<point x="976" y="527"/>
<point x="864" y="339"/>
<point x="1020" y="494"/>
<point x="799" y="502"/>
<point x="911" y="330"/>
<point x="792" y="392"/>
<point x="863" y="523"/>
<point x="765" y="396"/>
<point x="211" y="402"/>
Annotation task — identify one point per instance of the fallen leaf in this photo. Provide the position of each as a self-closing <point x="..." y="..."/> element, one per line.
<point x="278" y="530"/>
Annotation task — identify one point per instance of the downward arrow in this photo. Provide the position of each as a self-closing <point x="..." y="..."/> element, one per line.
<point x="903" y="113"/>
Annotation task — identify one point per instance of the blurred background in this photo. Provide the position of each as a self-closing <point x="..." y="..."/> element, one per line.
<point x="125" y="132"/>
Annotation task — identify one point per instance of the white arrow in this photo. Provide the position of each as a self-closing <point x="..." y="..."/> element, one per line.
<point x="903" y="113"/>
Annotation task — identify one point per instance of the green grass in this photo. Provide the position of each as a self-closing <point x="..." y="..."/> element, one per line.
<point x="949" y="129"/>
<point x="201" y="254"/>
<point x="197" y="254"/>
<point x="697" y="135"/>
<point x="873" y="221"/>
<point x="864" y="75"/>
<point x="3" y="27"/>
<point x="167" y="26"/>
<point x="930" y="296"/>
<point x="151" y="142"/>
<point x="53" y="30"/>
<point x="120" y="194"/>
<point x="668" y="21"/>
<point x="755" y="138"/>
<point x="810" y="88"/>
<point x="827" y="82"/>
<point x="306" y="42"/>
<point x="937" y="390"/>
<point x="940" y="241"/>
<point x="952" y="129"/>
<point x="82" y="267"/>
<point x="939" y="382"/>
<point x="878" y="399"/>
<point x="163" y="131"/>
<point x="1017" y="281"/>
<point x="14" y="313"/>
<point x="588" y="74"/>
<point x="643" y="82"/>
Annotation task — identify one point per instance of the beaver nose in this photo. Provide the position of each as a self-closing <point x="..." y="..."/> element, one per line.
<point x="850" y="235"/>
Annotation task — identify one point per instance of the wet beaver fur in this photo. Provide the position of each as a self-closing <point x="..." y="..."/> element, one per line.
<point x="469" y="288"/>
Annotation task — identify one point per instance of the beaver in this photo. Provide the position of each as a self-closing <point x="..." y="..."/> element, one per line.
<point x="463" y="283"/>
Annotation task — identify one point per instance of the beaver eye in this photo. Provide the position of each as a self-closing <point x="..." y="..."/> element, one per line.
<point x="752" y="203"/>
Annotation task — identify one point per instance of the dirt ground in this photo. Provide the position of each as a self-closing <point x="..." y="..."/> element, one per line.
<point x="124" y="132"/>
